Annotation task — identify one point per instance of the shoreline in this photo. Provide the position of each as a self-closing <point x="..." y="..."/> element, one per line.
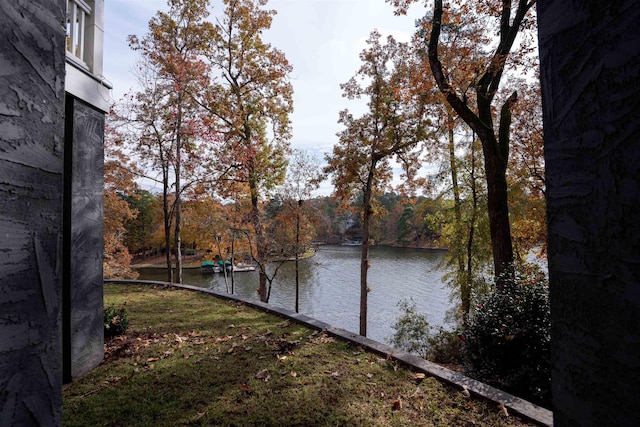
<point x="194" y="261"/>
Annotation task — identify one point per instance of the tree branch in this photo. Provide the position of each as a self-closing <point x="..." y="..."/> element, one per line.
<point x="505" y="123"/>
<point x="436" y="68"/>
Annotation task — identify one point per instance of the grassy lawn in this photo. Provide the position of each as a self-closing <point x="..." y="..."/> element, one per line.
<point x="191" y="359"/>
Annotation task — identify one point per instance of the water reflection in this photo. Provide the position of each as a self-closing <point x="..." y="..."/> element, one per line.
<point x="330" y="286"/>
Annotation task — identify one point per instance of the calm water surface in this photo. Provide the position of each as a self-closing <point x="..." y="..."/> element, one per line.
<point x="330" y="286"/>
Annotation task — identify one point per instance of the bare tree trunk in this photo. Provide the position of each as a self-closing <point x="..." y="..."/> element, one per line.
<point x="297" y="254"/>
<point x="364" y="259"/>
<point x="178" y="201"/>
<point x="498" y="206"/>
<point x="466" y="307"/>
<point x="461" y="275"/>
<point x="260" y="243"/>
<point x="233" y="260"/>
<point x="224" y="265"/>
<point x="167" y="224"/>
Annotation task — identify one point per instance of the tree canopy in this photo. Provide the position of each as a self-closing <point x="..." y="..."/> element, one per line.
<point x="392" y="128"/>
<point x="210" y="122"/>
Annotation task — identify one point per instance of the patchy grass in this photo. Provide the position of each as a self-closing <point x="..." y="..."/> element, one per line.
<point x="191" y="359"/>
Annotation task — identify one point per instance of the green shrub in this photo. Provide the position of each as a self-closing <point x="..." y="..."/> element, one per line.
<point x="116" y="321"/>
<point x="412" y="330"/>
<point x="446" y="347"/>
<point x="507" y="341"/>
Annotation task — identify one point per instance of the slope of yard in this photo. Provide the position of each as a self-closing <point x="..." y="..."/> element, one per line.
<point x="191" y="359"/>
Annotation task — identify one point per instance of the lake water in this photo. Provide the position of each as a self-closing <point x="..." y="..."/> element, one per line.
<point x="330" y="286"/>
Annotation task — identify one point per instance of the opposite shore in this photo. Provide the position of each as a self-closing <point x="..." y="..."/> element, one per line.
<point x="194" y="261"/>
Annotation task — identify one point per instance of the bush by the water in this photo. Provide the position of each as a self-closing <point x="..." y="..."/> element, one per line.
<point x="446" y="347"/>
<point x="507" y="341"/>
<point x="116" y="321"/>
<point x="415" y="335"/>
<point x="412" y="330"/>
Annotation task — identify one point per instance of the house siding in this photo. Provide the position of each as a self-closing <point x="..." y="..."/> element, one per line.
<point x="32" y="62"/>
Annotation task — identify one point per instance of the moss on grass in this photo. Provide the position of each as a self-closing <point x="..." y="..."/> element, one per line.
<point x="192" y="359"/>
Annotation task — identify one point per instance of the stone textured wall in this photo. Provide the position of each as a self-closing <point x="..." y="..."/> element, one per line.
<point x="31" y="180"/>
<point x="84" y="171"/>
<point x="590" y="64"/>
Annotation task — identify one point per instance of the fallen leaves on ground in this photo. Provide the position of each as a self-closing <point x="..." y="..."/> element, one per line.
<point x="503" y="410"/>
<point x="334" y="375"/>
<point x="465" y="392"/>
<point x="324" y="338"/>
<point x="263" y="375"/>
<point x="397" y="404"/>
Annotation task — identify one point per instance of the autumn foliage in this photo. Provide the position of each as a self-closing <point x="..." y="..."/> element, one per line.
<point x="393" y="128"/>
<point x="118" y="181"/>
<point x="210" y="124"/>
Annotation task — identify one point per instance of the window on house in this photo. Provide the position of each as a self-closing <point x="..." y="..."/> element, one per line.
<point x="78" y="21"/>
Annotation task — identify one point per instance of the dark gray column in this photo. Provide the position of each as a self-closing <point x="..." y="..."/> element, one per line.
<point x="83" y="241"/>
<point x="31" y="185"/>
<point x="590" y="66"/>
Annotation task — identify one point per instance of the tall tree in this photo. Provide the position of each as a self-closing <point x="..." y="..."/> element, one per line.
<point x="391" y="129"/>
<point x="250" y="104"/>
<point x="119" y="183"/>
<point x="172" y="52"/>
<point x="464" y="221"/>
<point x="143" y="112"/>
<point x="303" y="176"/>
<point x="461" y="180"/>
<point x="490" y="122"/>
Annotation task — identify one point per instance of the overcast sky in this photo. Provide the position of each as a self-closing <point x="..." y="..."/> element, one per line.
<point x="320" y="38"/>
